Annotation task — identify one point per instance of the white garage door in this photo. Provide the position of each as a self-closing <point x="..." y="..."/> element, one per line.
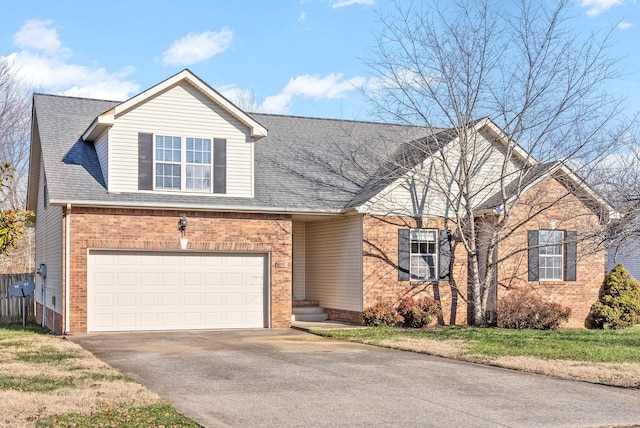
<point x="167" y="291"/>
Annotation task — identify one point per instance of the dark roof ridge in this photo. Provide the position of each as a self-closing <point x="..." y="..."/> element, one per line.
<point x="292" y="116"/>
<point x="76" y="98"/>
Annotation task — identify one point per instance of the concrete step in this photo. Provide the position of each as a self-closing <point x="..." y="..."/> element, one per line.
<point x="310" y="317"/>
<point x="307" y="310"/>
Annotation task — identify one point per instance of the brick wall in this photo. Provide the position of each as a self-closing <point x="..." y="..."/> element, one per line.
<point x="380" y="272"/>
<point x="567" y="213"/>
<point x="548" y="202"/>
<point x="133" y="229"/>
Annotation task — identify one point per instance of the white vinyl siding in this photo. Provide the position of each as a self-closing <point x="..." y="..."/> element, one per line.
<point x="333" y="252"/>
<point x="424" y="189"/>
<point x="627" y="254"/>
<point x="180" y="110"/>
<point x="102" y="149"/>
<point x="49" y="249"/>
<point x="299" y="260"/>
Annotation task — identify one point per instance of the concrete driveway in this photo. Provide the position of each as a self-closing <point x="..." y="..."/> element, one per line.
<point x="287" y="378"/>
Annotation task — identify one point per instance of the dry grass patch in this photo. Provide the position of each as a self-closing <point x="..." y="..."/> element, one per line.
<point x="46" y="375"/>
<point x="439" y="348"/>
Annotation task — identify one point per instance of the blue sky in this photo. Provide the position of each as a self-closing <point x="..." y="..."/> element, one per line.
<point x="299" y="57"/>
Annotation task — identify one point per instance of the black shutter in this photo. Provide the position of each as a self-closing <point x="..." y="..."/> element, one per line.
<point x="571" y="238"/>
<point x="404" y="254"/>
<point x="145" y="161"/>
<point x="444" y="236"/>
<point x="219" y="165"/>
<point x="534" y="262"/>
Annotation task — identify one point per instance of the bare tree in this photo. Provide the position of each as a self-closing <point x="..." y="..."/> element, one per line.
<point x="522" y="65"/>
<point x="15" y="110"/>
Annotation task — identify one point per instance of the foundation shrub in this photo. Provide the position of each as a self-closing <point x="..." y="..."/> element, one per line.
<point x="524" y="310"/>
<point x="418" y="313"/>
<point x="382" y="314"/>
<point x="619" y="305"/>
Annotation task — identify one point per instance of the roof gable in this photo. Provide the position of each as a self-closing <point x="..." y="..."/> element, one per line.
<point x="106" y="119"/>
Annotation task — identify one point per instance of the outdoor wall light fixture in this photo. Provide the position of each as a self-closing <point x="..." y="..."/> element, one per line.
<point x="182" y="224"/>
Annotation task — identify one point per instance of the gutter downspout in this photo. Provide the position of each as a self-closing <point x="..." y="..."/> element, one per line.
<point x="67" y="269"/>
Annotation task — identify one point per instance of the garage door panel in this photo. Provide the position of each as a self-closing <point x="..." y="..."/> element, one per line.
<point x="162" y="291"/>
<point x="149" y="278"/>
<point x="128" y="299"/>
<point x="149" y="319"/>
<point x="149" y="299"/>
<point x="192" y="299"/>
<point x="213" y="279"/>
<point x="213" y="299"/>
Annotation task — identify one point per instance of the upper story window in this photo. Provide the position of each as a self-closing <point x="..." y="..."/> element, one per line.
<point x="551" y="254"/>
<point x="198" y="164"/>
<point x="168" y="162"/>
<point x="186" y="163"/>
<point x="181" y="166"/>
<point x="424" y="254"/>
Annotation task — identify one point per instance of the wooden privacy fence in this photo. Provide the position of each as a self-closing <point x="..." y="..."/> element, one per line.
<point x="10" y="306"/>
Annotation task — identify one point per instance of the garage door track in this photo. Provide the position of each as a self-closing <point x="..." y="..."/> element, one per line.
<point x="286" y="378"/>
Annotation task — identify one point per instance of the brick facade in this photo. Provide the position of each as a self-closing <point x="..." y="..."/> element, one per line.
<point x="561" y="210"/>
<point x="138" y="229"/>
<point x="380" y="269"/>
<point x="552" y="205"/>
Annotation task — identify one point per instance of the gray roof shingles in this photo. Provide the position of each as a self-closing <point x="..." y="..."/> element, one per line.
<point x="304" y="164"/>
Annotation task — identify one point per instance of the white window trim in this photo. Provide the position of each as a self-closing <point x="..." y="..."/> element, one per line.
<point x="552" y="256"/>
<point x="435" y="255"/>
<point x="183" y="165"/>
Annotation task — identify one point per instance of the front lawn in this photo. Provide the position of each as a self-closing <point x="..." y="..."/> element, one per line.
<point x="606" y="356"/>
<point x="47" y="381"/>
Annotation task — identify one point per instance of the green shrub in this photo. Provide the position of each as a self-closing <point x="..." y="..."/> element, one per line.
<point x="522" y="310"/>
<point x="418" y="313"/>
<point x="619" y="305"/>
<point x="382" y="314"/>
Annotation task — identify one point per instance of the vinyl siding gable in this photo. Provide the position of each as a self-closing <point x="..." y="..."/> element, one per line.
<point x="181" y="110"/>
<point x="425" y="189"/>
<point x="102" y="150"/>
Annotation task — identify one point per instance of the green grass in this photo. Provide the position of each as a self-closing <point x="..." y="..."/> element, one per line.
<point x="33" y="383"/>
<point x="612" y="346"/>
<point x="45" y="355"/>
<point x="8" y="331"/>
<point x="159" y="416"/>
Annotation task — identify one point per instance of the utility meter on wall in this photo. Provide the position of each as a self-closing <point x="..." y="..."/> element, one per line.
<point x="42" y="270"/>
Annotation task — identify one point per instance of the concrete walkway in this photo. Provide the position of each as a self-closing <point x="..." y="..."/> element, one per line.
<point x="323" y="325"/>
<point x="288" y="378"/>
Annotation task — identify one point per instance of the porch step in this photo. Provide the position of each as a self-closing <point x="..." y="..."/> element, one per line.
<point x="310" y="317"/>
<point x="308" y="312"/>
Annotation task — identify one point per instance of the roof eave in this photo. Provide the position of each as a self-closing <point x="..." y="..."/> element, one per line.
<point x="99" y="125"/>
<point x="199" y="207"/>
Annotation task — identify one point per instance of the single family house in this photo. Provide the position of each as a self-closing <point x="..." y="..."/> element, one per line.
<point x="175" y="209"/>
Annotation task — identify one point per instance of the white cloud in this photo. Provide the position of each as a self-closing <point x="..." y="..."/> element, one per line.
<point x="197" y="47"/>
<point x="302" y="17"/>
<point x="343" y="3"/>
<point x="37" y="34"/>
<point x="624" y="25"/>
<point x="44" y="64"/>
<point x="332" y="86"/>
<point x="596" y="7"/>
